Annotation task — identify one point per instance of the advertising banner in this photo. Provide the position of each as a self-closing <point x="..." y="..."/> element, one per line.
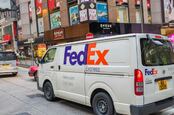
<point x="55" y="20"/>
<point x="51" y="4"/>
<point x="169" y="10"/>
<point x="38" y="7"/>
<point x="40" y="25"/>
<point x="102" y="12"/>
<point x="74" y="15"/>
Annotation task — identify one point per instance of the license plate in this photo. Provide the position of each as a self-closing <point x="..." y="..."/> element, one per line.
<point x="162" y="84"/>
<point x="5" y="66"/>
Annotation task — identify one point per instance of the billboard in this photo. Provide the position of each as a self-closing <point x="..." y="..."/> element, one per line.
<point x="169" y="10"/>
<point x="74" y="15"/>
<point x="102" y="12"/>
<point x="55" y="20"/>
<point x="38" y="7"/>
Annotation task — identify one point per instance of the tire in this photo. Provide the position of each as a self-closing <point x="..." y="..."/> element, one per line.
<point x="102" y="104"/>
<point x="48" y="91"/>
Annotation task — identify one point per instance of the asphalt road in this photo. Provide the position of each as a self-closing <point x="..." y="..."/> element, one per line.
<point x="19" y="96"/>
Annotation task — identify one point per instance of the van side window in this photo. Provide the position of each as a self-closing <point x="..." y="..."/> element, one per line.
<point x="49" y="56"/>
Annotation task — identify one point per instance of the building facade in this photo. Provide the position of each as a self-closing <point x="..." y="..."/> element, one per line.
<point x="8" y="27"/>
<point x="60" y="21"/>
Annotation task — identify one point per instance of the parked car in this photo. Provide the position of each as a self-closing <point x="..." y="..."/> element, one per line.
<point x="33" y="72"/>
<point x="8" y="63"/>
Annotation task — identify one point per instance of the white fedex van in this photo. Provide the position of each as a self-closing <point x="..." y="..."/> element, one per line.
<point x="127" y="74"/>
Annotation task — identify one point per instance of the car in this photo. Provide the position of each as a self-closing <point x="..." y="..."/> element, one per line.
<point x="33" y="72"/>
<point x="8" y="63"/>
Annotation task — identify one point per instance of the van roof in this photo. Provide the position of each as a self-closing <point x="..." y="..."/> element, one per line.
<point x="103" y="38"/>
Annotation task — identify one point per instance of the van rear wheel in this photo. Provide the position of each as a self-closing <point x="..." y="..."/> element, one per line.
<point x="102" y="104"/>
<point x="48" y="91"/>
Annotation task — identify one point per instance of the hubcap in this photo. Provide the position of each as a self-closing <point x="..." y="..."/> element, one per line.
<point x="102" y="106"/>
<point x="48" y="91"/>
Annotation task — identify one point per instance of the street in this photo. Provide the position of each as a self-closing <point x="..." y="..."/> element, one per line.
<point x="19" y="96"/>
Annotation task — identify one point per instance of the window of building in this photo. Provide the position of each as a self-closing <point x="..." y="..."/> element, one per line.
<point x="122" y="9"/>
<point x="139" y="8"/>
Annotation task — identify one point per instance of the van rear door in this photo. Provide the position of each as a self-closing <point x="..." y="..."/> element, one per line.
<point x="156" y="62"/>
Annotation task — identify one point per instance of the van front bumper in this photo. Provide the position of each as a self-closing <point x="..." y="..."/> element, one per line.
<point x="152" y="107"/>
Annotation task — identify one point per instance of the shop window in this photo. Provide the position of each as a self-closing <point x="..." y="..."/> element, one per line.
<point x="122" y="9"/>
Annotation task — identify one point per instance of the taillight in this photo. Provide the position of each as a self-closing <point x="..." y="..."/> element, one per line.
<point x="138" y="82"/>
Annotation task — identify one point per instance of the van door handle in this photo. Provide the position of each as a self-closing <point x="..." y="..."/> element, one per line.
<point x="59" y="67"/>
<point x="52" y="67"/>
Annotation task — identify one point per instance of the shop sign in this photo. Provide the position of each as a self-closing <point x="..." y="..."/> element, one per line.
<point x="89" y="36"/>
<point x="58" y="34"/>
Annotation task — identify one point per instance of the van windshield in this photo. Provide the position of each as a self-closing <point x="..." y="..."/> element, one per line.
<point x="154" y="54"/>
<point x="7" y="56"/>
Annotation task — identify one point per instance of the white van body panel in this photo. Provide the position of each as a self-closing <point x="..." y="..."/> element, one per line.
<point x="109" y="66"/>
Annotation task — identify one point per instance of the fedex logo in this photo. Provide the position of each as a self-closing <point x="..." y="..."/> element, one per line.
<point x="151" y="72"/>
<point x="84" y="57"/>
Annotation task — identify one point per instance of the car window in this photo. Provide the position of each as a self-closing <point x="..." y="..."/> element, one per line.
<point x="49" y="56"/>
<point x="7" y="56"/>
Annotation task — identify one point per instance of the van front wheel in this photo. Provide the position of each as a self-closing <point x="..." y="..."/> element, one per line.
<point x="48" y="91"/>
<point x="102" y="104"/>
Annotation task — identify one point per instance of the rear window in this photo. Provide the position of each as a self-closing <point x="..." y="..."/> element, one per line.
<point x="155" y="54"/>
<point x="7" y="56"/>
